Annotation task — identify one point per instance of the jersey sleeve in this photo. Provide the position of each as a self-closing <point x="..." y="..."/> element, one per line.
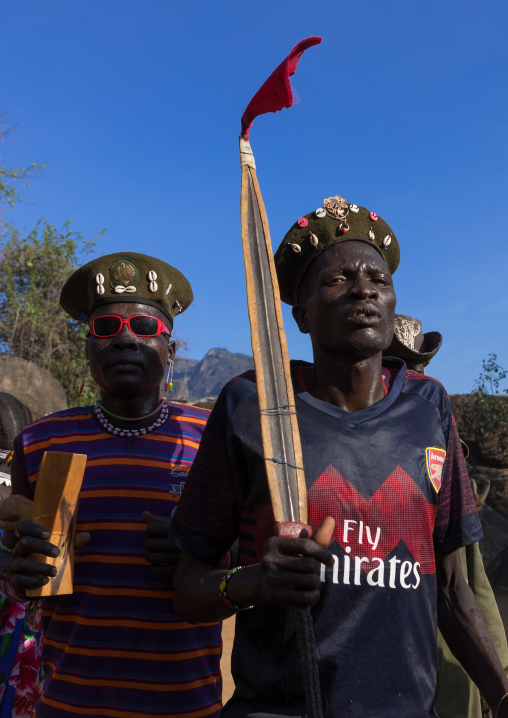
<point x="457" y="523"/>
<point x="206" y="521"/>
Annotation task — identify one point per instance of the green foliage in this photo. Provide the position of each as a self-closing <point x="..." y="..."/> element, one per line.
<point x="32" y="324"/>
<point x="488" y="408"/>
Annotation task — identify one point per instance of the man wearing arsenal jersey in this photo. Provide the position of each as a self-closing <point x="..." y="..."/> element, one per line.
<point x="388" y="493"/>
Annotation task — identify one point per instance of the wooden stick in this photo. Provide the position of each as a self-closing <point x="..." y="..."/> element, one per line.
<point x="279" y="426"/>
<point x="55" y="505"/>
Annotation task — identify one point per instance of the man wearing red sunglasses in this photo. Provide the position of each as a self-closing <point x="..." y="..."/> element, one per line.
<point x="115" y="647"/>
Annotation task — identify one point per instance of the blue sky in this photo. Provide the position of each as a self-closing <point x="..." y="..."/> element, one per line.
<point x="135" y="107"/>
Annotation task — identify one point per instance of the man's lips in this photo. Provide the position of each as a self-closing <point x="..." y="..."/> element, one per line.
<point x="365" y="314"/>
<point x="124" y="365"/>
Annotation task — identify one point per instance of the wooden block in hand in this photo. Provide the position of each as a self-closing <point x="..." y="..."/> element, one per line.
<point x="55" y="504"/>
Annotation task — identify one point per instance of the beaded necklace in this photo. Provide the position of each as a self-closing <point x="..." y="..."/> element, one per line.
<point x="116" y="431"/>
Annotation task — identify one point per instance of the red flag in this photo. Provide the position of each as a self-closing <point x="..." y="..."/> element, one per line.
<point x="276" y="92"/>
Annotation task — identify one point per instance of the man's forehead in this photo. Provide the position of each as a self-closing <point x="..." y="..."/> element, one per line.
<point x="350" y="252"/>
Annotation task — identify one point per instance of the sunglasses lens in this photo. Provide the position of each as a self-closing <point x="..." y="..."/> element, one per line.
<point x="106" y="326"/>
<point x="144" y="326"/>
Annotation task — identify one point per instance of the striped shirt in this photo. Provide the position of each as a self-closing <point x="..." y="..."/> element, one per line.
<point x="115" y="647"/>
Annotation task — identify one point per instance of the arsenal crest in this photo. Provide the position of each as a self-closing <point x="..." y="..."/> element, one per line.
<point x="434" y="458"/>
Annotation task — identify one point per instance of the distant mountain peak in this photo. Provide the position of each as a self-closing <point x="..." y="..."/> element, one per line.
<point x="194" y="379"/>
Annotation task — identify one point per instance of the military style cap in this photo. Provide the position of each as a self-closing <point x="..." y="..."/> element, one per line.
<point x="126" y="277"/>
<point x="410" y="343"/>
<point x="336" y="221"/>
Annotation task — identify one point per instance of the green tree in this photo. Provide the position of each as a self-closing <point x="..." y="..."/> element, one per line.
<point x="32" y="324"/>
<point x="488" y="408"/>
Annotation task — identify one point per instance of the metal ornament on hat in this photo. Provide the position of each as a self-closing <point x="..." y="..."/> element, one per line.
<point x="124" y="274"/>
<point x="406" y="331"/>
<point x="337" y="208"/>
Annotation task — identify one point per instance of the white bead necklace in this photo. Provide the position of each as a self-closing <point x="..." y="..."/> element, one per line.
<point x="108" y="426"/>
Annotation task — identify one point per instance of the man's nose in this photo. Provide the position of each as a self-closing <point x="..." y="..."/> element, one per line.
<point x="125" y="337"/>
<point x="362" y="287"/>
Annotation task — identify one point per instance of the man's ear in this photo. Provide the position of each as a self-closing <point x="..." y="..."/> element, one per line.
<point x="300" y="317"/>
<point x="171" y="350"/>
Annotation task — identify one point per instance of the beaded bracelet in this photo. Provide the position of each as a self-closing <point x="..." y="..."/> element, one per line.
<point x="10" y="592"/>
<point x="3" y="547"/>
<point x="223" y="591"/>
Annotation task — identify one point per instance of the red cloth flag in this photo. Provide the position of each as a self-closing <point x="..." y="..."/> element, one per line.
<point x="276" y="92"/>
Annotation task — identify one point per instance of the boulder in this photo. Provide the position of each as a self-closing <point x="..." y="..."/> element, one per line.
<point x="32" y="385"/>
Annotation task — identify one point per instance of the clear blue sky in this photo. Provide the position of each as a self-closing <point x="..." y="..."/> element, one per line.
<point x="135" y="107"/>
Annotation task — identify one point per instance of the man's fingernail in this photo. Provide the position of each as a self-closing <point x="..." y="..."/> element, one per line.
<point x="54" y="552"/>
<point x="46" y="535"/>
<point x="54" y="571"/>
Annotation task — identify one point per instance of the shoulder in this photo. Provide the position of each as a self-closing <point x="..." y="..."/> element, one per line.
<point x="188" y="411"/>
<point x="76" y="415"/>
<point x="429" y="390"/>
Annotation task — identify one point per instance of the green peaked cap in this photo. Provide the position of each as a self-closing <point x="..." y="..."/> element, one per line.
<point x="126" y="277"/>
<point x="335" y="221"/>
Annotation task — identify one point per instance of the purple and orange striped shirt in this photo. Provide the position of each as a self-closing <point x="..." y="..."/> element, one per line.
<point x="115" y="648"/>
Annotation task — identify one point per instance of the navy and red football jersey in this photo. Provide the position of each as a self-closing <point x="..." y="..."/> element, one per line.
<point x="393" y="476"/>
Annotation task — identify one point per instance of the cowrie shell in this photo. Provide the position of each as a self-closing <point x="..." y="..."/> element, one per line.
<point x="314" y="240"/>
<point x="130" y="289"/>
<point x="153" y="287"/>
<point x="99" y="278"/>
<point x="372" y="236"/>
<point x="354" y="208"/>
<point x="152" y="276"/>
<point x="119" y="289"/>
<point x="387" y="240"/>
<point x="100" y="289"/>
<point x="169" y="288"/>
<point x="321" y="212"/>
<point x="295" y="247"/>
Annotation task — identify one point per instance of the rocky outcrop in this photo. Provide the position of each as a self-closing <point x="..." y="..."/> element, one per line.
<point x="35" y="387"/>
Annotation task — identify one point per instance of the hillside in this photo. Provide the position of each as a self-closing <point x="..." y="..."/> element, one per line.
<point x="194" y="380"/>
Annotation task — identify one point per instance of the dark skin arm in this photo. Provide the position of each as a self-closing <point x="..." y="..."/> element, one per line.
<point x="20" y="571"/>
<point x="288" y="575"/>
<point x="466" y="633"/>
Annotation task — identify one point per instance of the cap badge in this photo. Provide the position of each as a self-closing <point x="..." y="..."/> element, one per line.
<point x="336" y="207"/>
<point x="99" y="278"/>
<point x="406" y="330"/>
<point x="152" y="281"/>
<point x="124" y="276"/>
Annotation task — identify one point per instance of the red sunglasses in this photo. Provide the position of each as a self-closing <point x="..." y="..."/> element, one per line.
<point x="141" y="325"/>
